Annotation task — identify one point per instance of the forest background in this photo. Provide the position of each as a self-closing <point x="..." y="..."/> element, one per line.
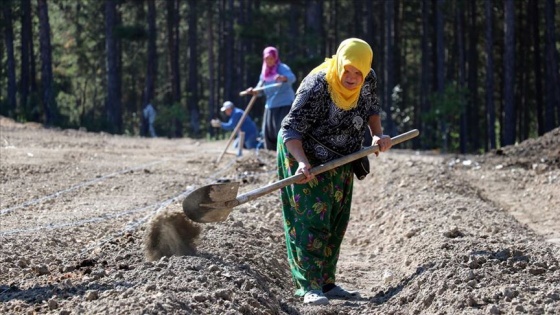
<point x="470" y="75"/>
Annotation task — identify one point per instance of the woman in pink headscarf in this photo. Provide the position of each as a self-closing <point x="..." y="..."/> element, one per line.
<point x="278" y="98"/>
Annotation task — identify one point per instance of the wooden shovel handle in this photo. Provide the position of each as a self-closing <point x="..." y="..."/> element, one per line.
<point x="258" y="89"/>
<point x="254" y="194"/>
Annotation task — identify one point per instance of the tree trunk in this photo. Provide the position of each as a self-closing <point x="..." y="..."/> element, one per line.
<point x="220" y="69"/>
<point x="490" y="109"/>
<point x="313" y="30"/>
<point x="33" y="108"/>
<point x="173" y="46"/>
<point x="370" y="28"/>
<point x="357" y="6"/>
<point x="9" y="42"/>
<point x="473" y="108"/>
<point x="460" y="37"/>
<point x="228" y="36"/>
<point x="26" y="44"/>
<point x="241" y="44"/>
<point x="192" y="100"/>
<point x="425" y="79"/>
<point x="440" y="69"/>
<point x="213" y="108"/>
<point x="551" y="69"/>
<point x="151" y="71"/>
<point x="49" y="104"/>
<point x="295" y="12"/>
<point x="336" y="39"/>
<point x="522" y="76"/>
<point x="113" y="102"/>
<point x="537" y="63"/>
<point x="249" y="45"/>
<point x="389" y="66"/>
<point x="399" y="59"/>
<point x="509" y="73"/>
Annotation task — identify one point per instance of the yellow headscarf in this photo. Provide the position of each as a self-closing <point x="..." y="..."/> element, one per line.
<point x="354" y="52"/>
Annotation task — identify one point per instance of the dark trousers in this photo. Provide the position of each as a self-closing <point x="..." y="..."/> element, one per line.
<point x="271" y="125"/>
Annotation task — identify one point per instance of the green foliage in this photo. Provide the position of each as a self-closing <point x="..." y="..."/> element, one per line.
<point x="165" y="119"/>
<point x="446" y="111"/>
<point x="402" y="115"/>
<point x="68" y="110"/>
<point x="31" y="111"/>
<point x="132" y="123"/>
<point x="447" y="105"/>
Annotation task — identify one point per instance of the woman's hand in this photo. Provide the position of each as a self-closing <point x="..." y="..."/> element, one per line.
<point x="250" y="91"/>
<point x="304" y="168"/>
<point x="383" y="142"/>
<point x="281" y="78"/>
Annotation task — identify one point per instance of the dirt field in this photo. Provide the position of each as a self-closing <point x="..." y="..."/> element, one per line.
<point x="429" y="234"/>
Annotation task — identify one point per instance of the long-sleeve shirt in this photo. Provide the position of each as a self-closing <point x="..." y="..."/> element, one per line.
<point x="248" y="126"/>
<point x="322" y="126"/>
<point x="282" y="95"/>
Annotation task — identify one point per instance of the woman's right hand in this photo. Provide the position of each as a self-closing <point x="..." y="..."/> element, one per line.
<point x="304" y="168"/>
<point x="295" y="148"/>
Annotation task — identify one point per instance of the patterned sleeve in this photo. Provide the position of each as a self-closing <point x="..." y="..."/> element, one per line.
<point x="369" y="93"/>
<point x="304" y="113"/>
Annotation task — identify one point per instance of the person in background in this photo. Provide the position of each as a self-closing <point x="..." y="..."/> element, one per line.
<point x="248" y="126"/>
<point x="149" y="114"/>
<point x="333" y="107"/>
<point x="278" y="99"/>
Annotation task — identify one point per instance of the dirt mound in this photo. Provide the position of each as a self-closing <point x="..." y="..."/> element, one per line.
<point x="10" y="123"/>
<point x="541" y="152"/>
<point x="428" y="234"/>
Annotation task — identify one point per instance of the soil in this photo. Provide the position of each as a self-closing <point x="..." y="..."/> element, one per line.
<point x="429" y="233"/>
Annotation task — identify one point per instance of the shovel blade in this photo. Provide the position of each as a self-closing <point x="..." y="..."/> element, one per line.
<point x="208" y="203"/>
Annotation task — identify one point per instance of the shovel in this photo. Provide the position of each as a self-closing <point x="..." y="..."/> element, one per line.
<point x="213" y="203"/>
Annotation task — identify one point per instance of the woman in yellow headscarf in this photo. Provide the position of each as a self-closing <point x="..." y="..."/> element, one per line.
<point x="334" y="106"/>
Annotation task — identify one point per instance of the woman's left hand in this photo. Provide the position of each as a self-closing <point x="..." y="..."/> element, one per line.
<point x="281" y="78"/>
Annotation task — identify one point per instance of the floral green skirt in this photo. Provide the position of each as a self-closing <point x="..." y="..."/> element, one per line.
<point x="315" y="217"/>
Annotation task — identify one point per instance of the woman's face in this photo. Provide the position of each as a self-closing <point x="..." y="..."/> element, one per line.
<point x="270" y="61"/>
<point x="351" y="77"/>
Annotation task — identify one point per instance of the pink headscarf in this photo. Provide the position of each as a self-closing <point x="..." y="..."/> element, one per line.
<point x="270" y="73"/>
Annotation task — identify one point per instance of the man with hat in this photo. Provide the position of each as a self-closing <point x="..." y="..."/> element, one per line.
<point x="248" y="126"/>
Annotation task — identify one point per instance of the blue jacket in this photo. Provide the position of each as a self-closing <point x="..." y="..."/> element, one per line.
<point x="248" y="127"/>
<point x="284" y="94"/>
